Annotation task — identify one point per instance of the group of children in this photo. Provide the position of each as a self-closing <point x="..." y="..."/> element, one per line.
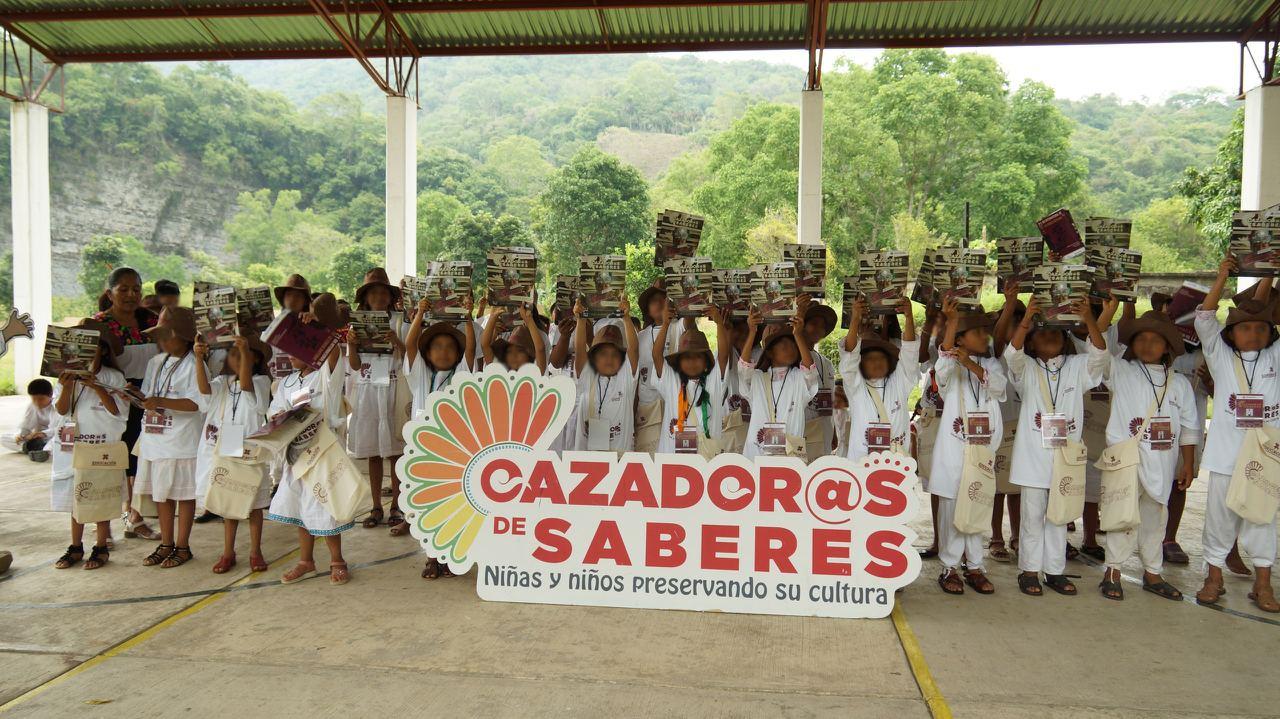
<point x="1034" y="407"/>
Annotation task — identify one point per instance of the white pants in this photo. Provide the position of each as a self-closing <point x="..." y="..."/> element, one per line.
<point x="1042" y="545"/>
<point x="952" y="544"/>
<point x="1146" y="538"/>
<point x="1223" y="527"/>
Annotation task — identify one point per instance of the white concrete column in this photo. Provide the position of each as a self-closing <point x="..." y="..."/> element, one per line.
<point x="402" y="187"/>
<point x="1260" y="169"/>
<point x="32" y="248"/>
<point x="809" y="210"/>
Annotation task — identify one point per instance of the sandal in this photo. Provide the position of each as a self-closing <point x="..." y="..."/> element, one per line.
<point x="1096" y="551"/>
<point x="951" y="582"/>
<point x="257" y="563"/>
<point x="996" y="550"/>
<point x="1072" y="552"/>
<point x="1061" y="583"/>
<point x="71" y="557"/>
<point x="1236" y="565"/>
<point x="178" y="557"/>
<point x="976" y="579"/>
<point x="338" y="573"/>
<point x="373" y="520"/>
<point x="432" y="570"/>
<point x="224" y="564"/>
<point x="1174" y="554"/>
<point x="161" y="553"/>
<point x="929" y="553"/>
<point x="140" y="530"/>
<point x="1265" y="599"/>
<point x="399" y="526"/>
<point x="97" y="558"/>
<point x="300" y="571"/>
<point x="1111" y="588"/>
<point x="1210" y="593"/>
<point x="445" y="571"/>
<point x="1162" y="589"/>
<point x="1029" y="584"/>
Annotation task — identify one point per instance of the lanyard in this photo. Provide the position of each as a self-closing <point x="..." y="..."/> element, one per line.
<point x="447" y="379"/>
<point x="284" y="384"/>
<point x="975" y="388"/>
<point x="1247" y="375"/>
<point x="685" y="407"/>
<point x="603" y="396"/>
<point x="168" y="380"/>
<point x="1054" y="379"/>
<point x="1164" y="386"/>
<point x="782" y="386"/>
<point x="235" y="399"/>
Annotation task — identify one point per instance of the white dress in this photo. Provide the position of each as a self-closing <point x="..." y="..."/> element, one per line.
<point x="791" y="387"/>
<point x="292" y="504"/>
<point x="959" y="388"/>
<point x="371" y="427"/>
<point x="605" y="402"/>
<point x="894" y="390"/>
<point x="93" y="425"/>
<point x="229" y="406"/>
<point x="669" y="387"/>
<point x="169" y="443"/>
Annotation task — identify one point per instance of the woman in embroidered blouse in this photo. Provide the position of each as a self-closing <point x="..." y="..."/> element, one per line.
<point x="127" y="319"/>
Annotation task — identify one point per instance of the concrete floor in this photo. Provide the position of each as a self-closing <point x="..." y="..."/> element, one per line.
<point x="130" y="641"/>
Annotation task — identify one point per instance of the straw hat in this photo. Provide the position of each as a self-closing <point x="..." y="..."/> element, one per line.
<point x="827" y="314"/>
<point x="447" y="329"/>
<point x="691" y="342"/>
<point x="1250" y="310"/>
<point x="295" y="282"/>
<point x="376" y="277"/>
<point x="177" y="322"/>
<point x="1150" y="321"/>
<point x="774" y="334"/>
<point x="113" y="342"/>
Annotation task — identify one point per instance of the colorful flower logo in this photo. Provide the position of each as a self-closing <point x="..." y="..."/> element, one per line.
<point x="472" y="418"/>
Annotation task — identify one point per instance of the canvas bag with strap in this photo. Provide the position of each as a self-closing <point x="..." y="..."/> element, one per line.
<point x="1254" y="491"/>
<point x="233" y="481"/>
<point x="797" y="446"/>
<point x="1066" y="485"/>
<point x="328" y="474"/>
<point x="1118" y="496"/>
<point x="976" y="493"/>
<point x="98" y="488"/>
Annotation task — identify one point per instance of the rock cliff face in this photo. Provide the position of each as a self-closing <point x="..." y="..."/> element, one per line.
<point x="105" y="195"/>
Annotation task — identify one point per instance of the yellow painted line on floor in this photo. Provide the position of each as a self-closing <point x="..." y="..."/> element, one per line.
<point x="135" y="640"/>
<point x="933" y="698"/>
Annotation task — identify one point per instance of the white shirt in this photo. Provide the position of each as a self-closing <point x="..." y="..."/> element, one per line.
<point x="668" y="387"/>
<point x="94" y="424"/>
<point x="648" y="389"/>
<point x="423" y="381"/>
<point x="894" y="390"/>
<point x="958" y="386"/>
<point x="1133" y="396"/>
<point x="608" y="402"/>
<point x="826" y="381"/>
<point x="1032" y="462"/>
<point x="1224" y="439"/>
<point x="36" y="419"/>
<point x="1186" y="365"/>
<point x="788" y="389"/>
<point x="734" y="399"/>
<point x="289" y="387"/>
<point x="173" y="378"/>
<point x="229" y="405"/>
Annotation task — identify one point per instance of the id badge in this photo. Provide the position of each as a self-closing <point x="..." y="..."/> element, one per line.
<point x="301" y="397"/>
<point x="686" y="441"/>
<point x="379" y="371"/>
<point x="1161" y="432"/>
<point x="67" y="436"/>
<point x="232" y="441"/>
<point x="1053" y="431"/>
<point x="773" y="439"/>
<point x="156" y="421"/>
<point x="824" y="402"/>
<point x="1249" y="410"/>
<point x="597" y="434"/>
<point x="879" y="436"/>
<point x="977" y="428"/>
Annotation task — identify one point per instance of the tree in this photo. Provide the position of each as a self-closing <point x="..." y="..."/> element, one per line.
<point x="517" y="163"/>
<point x="436" y="211"/>
<point x="765" y="240"/>
<point x="348" y="266"/>
<point x="1214" y="192"/>
<point x="309" y="246"/>
<point x="98" y="258"/>
<point x="471" y="236"/>
<point x="641" y="272"/>
<point x="1169" y="240"/>
<point x="257" y="230"/>
<point x="593" y="205"/>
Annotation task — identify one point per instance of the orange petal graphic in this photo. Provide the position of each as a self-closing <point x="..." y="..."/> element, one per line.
<point x="443" y="448"/>
<point x="435" y="470"/>
<point x="521" y="409"/>
<point x="454" y="423"/>
<point x="542" y="417"/>
<point x="431" y="495"/>
<point x="499" y="408"/>
<point x="476" y="413"/>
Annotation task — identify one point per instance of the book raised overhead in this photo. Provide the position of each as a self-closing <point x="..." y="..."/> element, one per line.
<point x="1255" y="242"/>
<point x="882" y="279"/>
<point x="1016" y="260"/>
<point x="371" y="328"/>
<point x="1060" y="234"/>
<point x="255" y="308"/>
<point x="959" y="273"/>
<point x="689" y="284"/>
<point x="566" y="295"/>
<point x="1057" y="287"/>
<point x="773" y="290"/>
<point x="602" y="281"/>
<point x="678" y="235"/>
<point x="731" y="291"/>
<point x="923" y="290"/>
<point x="1115" y="272"/>
<point x="310" y="342"/>
<point x="811" y="268"/>
<point x="1107" y="231"/>
<point x="447" y="289"/>
<point x="217" y="312"/>
<point x="512" y="275"/>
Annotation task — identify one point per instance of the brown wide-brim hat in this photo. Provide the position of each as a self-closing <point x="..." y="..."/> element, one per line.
<point x="871" y="343"/>
<point x="973" y="320"/>
<point x="1250" y="310"/>
<point x="1161" y="299"/>
<point x="377" y="277"/>
<point x="177" y="322"/>
<point x="828" y="315"/>
<point x="691" y="342"/>
<point x="329" y="312"/>
<point x="1068" y="344"/>
<point x="773" y="335"/>
<point x="447" y="329"/>
<point x="520" y="337"/>
<point x="1245" y="295"/>
<point x="608" y="335"/>
<point x="643" y="301"/>
<point x="114" y="344"/>
<point x="295" y="282"/>
<point x="1150" y="321"/>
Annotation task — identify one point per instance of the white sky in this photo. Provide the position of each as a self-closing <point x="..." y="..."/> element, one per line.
<point x="1148" y="72"/>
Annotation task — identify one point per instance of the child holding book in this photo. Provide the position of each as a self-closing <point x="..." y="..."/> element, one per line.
<point x="649" y="410"/>
<point x="606" y="383"/>
<point x="778" y="386"/>
<point x="373" y="432"/>
<point x="819" y="321"/>
<point x="1007" y="493"/>
<point x="85" y="413"/>
<point x="1052" y="380"/>
<point x="238" y="401"/>
<point x="525" y="345"/>
<point x="172" y="421"/>
<point x="1244" y="358"/>
<point x="972" y="385"/>
<point x="878" y="380"/>
<point x="690" y="384"/>
<point x="737" y="410"/>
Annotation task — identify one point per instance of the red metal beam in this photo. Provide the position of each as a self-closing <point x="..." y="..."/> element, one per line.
<point x="23" y="36"/>
<point x="1262" y="22"/>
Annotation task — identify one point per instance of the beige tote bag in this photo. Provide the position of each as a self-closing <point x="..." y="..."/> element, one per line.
<point x="1254" y="491"/>
<point x="1118" y="494"/>
<point x="976" y="495"/>
<point x="329" y="475"/>
<point x="98" y="489"/>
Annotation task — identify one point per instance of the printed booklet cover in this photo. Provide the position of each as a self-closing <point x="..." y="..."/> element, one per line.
<point x="371" y="328"/>
<point x="1116" y="271"/>
<point x="448" y="285"/>
<point x="958" y="273"/>
<point x="1107" y="231"/>
<point x="1016" y="260"/>
<point x="773" y="288"/>
<point x="1255" y="242"/>
<point x="678" y="235"/>
<point x="811" y="268"/>
<point x="69" y="349"/>
<point x="731" y="291"/>
<point x="689" y="284"/>
<point x="602" y="281"/>
<point x="923" y="290"/>
<point x="1057" y="286"/>
<point x="512" y="275"/>
<point x="882" y="278"/>
<point x="1059" y="231"/>
<point x="216" y="312"/>
<point x="256" y="310"/>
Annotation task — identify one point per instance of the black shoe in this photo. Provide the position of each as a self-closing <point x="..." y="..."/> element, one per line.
<point x="38" y="455"/>
<point x="206" y="518"/>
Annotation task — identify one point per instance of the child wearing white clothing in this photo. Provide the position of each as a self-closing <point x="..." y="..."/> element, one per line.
<point x="690" y="383"/>
<point x="606" y="383"/>
<point x="878" y="380"/>
<point x="778" y="386"/>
